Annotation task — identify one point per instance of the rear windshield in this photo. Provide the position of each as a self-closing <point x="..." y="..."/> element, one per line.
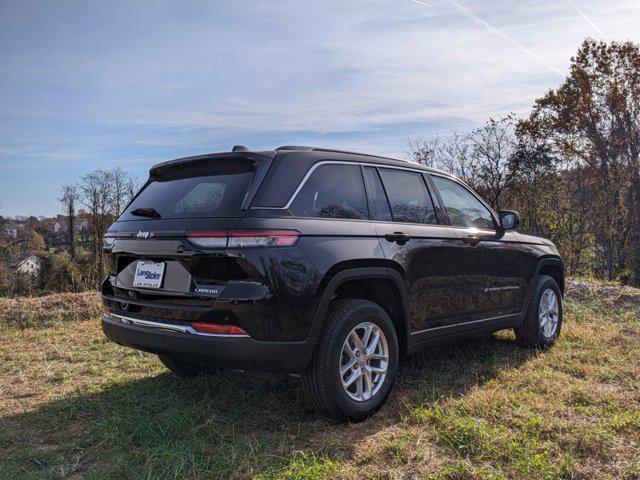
<point x="193" y="193"/>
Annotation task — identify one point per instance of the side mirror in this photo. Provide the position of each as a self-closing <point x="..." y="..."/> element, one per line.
<point x="509" y="220"/>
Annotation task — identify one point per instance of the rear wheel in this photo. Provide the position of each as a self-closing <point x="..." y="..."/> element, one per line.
<point x="543" y="319"/>
<point x="352" y="370"/>
<point x="185" y="369"/>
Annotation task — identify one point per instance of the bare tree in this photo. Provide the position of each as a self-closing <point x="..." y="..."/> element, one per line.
<point x="123" y="187"/>
<point x="480" y="158"/>
<point x="69" y="198"/>
<point x="96" y="194"/>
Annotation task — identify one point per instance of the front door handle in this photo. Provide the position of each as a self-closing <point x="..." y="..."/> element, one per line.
<point x="399" y="237"/>
<point x="471" y="240"/>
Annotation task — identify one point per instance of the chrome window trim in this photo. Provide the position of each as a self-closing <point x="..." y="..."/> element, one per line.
<point x="334" y="162"/>
<point x="168" y="327"/>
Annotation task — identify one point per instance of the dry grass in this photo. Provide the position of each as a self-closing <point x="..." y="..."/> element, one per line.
<point x="44" y="311"/>
<point x="73" y="405"/>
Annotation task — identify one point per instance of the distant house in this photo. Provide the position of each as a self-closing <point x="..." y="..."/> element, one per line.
<point x="60" y="226"/>
<point x="30" y="266"/>
<point x="11" y="230"/>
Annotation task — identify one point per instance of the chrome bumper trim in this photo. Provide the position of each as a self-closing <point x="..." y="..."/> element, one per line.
<point x="169" y="327"/>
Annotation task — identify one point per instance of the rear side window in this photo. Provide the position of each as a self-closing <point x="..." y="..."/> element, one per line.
<point x="378" y="204"/>
<point x="463" y="208"/>
<point x="332" y="191"/>
<point x="409" y="197"/>
<point x="179" y="195"/>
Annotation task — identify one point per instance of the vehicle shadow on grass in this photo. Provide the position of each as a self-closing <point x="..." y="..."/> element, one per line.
<point x="228" y="425"/>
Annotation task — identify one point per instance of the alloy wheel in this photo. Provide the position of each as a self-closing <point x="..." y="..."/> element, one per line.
<point x="549" y="312"/>
<point x="364" y="361"/>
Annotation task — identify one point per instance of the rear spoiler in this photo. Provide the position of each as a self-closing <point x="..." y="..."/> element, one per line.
<point x="258" y="157"/>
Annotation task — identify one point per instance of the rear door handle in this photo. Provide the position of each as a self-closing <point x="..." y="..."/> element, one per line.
<point x="399" y="237"/>
<point x="471" y="240"/>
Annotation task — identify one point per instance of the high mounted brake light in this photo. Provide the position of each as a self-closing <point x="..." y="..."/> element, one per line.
<point x="244" y="238"/>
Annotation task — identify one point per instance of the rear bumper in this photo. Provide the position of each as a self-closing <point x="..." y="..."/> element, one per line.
<point x="237" y="352"/>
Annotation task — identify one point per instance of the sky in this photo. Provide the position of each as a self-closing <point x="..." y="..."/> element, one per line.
<point x="86" y="85"/>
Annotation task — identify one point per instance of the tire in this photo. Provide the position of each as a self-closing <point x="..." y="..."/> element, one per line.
<point x="185" y="369"/>
<point x="534" y="330"/>
<point x="322" y="383"/>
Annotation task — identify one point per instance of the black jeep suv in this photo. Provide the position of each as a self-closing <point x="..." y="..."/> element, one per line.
<point x="328" y="264"/>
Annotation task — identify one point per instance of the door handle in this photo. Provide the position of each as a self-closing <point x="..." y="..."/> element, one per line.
<point x="471" y="240"/>
<point x="399" y="237"/>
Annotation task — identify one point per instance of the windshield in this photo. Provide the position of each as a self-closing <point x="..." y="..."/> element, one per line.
<point x="190" y="194"/>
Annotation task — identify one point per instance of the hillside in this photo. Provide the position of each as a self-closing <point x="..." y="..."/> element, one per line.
<point x="73" y="405"/>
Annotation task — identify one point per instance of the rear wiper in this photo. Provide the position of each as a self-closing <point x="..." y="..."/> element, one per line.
<point x="146" y="212"/>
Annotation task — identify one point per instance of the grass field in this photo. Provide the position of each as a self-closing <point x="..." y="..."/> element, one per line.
<point x="74" y="406"/>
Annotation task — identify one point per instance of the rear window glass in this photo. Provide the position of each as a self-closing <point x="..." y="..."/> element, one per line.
<point x="409" y="197"/>
<point x="182" y="196"/>
<point x="332" y="191"/>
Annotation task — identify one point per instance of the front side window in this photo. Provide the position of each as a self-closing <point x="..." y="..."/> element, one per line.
<point x="332" y="191"/>
<point x="408" y="196"/>
<point x="464" y="209"/>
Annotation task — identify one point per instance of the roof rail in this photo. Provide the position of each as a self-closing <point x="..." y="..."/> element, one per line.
<point x="331" y="150"/>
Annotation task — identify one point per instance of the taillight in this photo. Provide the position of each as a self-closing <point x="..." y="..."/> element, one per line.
<point x="108" y="240"/>
<point x="208" y="239"/>
<point x="217" y="329"/>
<point x="107" y="312"/>
<point x="244" y="238"/>
<point x="240" y="239"/>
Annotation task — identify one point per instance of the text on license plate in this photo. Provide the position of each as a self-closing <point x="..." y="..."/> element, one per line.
<point x="148" y="274"/>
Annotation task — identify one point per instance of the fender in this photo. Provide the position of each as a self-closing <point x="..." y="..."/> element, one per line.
<point x="360" y="274"/>
<point x="555" y="261"/>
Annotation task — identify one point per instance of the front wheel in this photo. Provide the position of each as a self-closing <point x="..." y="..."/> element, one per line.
<point x="543" y="319"/>
<point x="352" y="370"/>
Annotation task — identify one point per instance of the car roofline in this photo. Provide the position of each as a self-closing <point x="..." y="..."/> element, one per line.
<point x="321" y="153"/>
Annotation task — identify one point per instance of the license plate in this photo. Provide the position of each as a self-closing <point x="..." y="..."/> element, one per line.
<point x="148" y="274"/>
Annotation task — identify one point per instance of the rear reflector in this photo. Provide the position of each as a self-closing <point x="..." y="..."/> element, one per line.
<point x="218" y="329"/>
<point x="244" y="238"/>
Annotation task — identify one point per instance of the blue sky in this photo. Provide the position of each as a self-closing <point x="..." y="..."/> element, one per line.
<point x="87" y="85"/>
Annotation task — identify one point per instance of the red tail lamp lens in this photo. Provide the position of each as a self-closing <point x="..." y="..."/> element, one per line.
<point x="107" y="312"/>
<point x="218" y="329"/>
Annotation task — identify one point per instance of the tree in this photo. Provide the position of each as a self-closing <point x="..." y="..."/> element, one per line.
<point x="593" y="120"/>
<point x="123" y="187"/>
<point x="480" y="158"/>
<point x="96" y="195"/>
<point x="69" y="198"/>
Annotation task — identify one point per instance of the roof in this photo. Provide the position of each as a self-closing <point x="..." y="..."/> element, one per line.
<point x="346" y="155"/>
<point x="285" y="167"/>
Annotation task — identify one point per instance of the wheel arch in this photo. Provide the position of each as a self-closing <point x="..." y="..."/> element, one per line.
<point x="381" y="285"/>
<point x="554" y="268"/>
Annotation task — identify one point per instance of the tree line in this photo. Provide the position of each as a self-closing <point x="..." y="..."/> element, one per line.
<point x="571" y="168"/>
<point x="70" y="259"/>
<point x="104" y="194"/>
